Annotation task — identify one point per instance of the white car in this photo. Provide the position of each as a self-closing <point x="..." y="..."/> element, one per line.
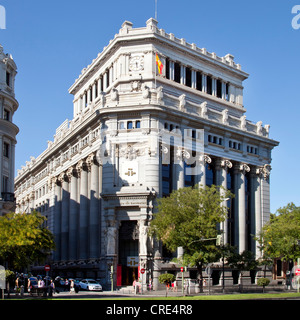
<point x="90" y="284"/>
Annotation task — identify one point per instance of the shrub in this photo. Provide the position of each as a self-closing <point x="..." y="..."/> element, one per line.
<point x="263" y="282"/>
<point x="166" y="278"/>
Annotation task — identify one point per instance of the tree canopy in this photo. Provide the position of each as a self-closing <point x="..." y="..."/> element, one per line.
<point x="279" y="237"/>
<point x="24" y="239"/>
<point x="188" y="218"/>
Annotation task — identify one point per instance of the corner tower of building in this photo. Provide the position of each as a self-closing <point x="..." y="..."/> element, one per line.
<point x="8" y="131"/>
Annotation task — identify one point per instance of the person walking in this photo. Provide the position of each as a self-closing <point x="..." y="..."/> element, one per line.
<point x="72" y="286"/>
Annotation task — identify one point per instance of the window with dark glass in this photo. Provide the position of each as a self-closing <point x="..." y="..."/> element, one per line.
<point x="6" y="115"/>
<point x="210" y="175"/>
<point x="8" y="78"/>
<point x="138" y="124"/>
<point x="6" y="150"/>
<point x="219" y="89"/>
<point x="188" y="77"/>
<point x="129" y="125"/>
<point x="209" y="85"/>
<point x="199" y="81"/>
<point x="167" y="68"/>
<point x="167" y="175"/>
<point x="177" y="74"/>
<point x="107" y="79"/>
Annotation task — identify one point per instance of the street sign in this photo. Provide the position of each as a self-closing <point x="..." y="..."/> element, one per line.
<point x="142" y="271"/>
<point x="181" y="269"/>
<point x="297" y="272"/>
<point x="132" y="262"/>
<point x="208" y="271"/>
<point x="47" y="268"/>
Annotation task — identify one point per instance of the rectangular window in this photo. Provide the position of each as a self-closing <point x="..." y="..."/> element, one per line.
<point x="219" y="89"/>
<point x="209" y="85"/>
<point x="167" y="69"/>
<point x="199" y="81"/>
<point x="6" y="150"/>
<point x="5" y="184"/>
<point x="188" y="75"/>
<point x="6" y="115"/>
<point x="8" y="78"/>
<point x="177" y="72"/>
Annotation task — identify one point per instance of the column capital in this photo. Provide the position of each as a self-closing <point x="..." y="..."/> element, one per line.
<point x="91" y="159"/>
<point x="61" y="178"/>
<point x="225" y="163"/>
<point x="264" y="171"/>
<point x="205" y="159"/>
<point x="244" y="168"/>
<point x="71" y="172"/>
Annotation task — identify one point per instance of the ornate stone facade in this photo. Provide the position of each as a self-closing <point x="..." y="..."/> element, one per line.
<point x="8" y="131"/>
<point x="132" y="139"/>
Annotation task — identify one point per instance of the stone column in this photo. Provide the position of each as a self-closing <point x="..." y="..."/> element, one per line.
<point x="172" y="70"/>
<point x="214" y="86"/>
<point x="205" y="159"/>
<point x="73" y="218"/>
<point x="182" y="74"/>
<point x="65" y="217"/>
<point x="243" y="169"/>
<point x="194" y="79"/>
<point x="94" y="237"/>
<point x="204" y="82"/>
<point x="258" y="212"/>
<point x="57" y="219"/>
<point x="225" y="164"/>
<point x="82" y="170"/>
<point x="179" y="165"/>
<point x="143" y="244"/>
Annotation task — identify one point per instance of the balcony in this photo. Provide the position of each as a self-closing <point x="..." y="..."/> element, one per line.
<point x="8" y="197"/>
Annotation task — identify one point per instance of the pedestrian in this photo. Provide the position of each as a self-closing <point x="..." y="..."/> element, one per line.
<point x="51" y="288"/>
<point x="66" y="284"/>
<point x="72" y="286"/>
<point x="175" y="286"/>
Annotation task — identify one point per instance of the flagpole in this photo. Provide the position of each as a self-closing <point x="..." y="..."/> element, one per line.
<point x="156" y="10"/>
<point x="155" y="69"/>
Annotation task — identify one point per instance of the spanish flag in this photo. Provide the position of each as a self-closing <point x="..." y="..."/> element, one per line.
<point x="160" y="66"/>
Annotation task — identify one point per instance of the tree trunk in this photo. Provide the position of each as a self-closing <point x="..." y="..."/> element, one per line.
<point x="199" y="269"/>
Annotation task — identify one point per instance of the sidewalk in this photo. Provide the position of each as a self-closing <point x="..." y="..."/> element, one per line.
<point x="129" y="292"/>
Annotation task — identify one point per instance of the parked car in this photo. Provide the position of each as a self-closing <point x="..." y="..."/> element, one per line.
<point x="90" y="284"/>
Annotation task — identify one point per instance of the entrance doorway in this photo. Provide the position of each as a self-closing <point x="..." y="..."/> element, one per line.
<point x="128" y="252"/>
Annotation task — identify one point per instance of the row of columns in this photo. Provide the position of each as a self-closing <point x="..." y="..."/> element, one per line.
<point x="256" y="175"/>
<point x="77" y="211"/>
<point x="231" y="89"/>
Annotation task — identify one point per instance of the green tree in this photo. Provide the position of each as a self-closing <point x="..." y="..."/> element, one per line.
<point x="279" y="237"/>
<point x="188" y="218"/>
<point x="24" y="239"/>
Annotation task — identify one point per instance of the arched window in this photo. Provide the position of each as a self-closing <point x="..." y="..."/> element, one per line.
<point x="138" y="124"/>
<point x="129" y="125"/>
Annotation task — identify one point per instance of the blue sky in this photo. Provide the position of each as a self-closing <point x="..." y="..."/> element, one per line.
<point x="52" y="41"/>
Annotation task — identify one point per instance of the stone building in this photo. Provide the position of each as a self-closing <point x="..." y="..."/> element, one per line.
<point x="137" y="134"/>
<point x="8" y="131"/>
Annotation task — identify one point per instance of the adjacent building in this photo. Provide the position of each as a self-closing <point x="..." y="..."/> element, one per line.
<point x="8" y="131"/>
<point x="152" y="113"/>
